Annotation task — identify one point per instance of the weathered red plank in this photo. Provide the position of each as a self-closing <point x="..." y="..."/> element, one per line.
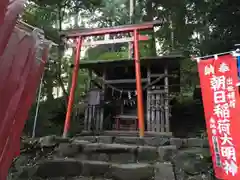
<point x="9" y="12"/>
<point x="20" y="76"/>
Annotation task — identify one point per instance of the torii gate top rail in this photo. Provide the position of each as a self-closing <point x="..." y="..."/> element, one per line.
<point x="109" y="30"/>
<point x="80" y="34"/>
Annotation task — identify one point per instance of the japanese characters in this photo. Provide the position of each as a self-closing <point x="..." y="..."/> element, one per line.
<point x="224" y="101"/>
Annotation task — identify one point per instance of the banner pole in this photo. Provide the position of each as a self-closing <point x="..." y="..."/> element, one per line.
<point x="37" y="107"/>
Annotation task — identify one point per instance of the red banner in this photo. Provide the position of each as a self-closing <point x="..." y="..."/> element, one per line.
<point x="9" y="13"/>
<point x="218" y="79"/>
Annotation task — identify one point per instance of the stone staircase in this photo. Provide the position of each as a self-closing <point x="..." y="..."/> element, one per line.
<point x="113" y="156"/>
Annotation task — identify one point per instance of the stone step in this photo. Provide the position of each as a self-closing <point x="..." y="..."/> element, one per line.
<point x="189" y="142"/>
<point x="71" y="178"/>
<point x="51" y="141"/>
<point x="72" y="168"/>
<point x="149" y="141"/>
<point x="126" y="133"/>
<point x="119" y="153"/>
<point x="84" y="178"/>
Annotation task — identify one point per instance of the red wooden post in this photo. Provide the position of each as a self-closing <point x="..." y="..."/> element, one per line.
<point x="138" y="84"/>
<point x="73" y="87"/>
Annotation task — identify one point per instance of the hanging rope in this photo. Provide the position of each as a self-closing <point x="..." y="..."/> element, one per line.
<point x="234" y="53"/>
<point x="120" y="90"/>
<point x="123" y="91"/>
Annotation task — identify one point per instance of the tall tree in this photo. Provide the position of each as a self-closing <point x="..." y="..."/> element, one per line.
<point x="223" y="30"/>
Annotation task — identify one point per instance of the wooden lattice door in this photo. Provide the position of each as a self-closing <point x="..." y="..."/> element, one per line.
<point x="156" y="115"/>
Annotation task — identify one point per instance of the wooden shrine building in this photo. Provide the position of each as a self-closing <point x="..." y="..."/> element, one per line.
<point x="113" y="87"/>
<point x="125" y="94"/>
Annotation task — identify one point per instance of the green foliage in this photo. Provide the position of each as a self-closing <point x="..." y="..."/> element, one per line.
<point x="193" y="26"/>
<point x="188" y="75"/>
<point x="111" y="13"/>
<point x="222" y="23"/>
<point x="43" y="18"/>
<point x="112" y="55"/>
<point x="69" y="3"/>
<point x="187" y="117"/>
<point x="50" y="119"/>
<point x="146" y="48"/>
<point x="98" y="53"/>
<point x="102" y="52"/>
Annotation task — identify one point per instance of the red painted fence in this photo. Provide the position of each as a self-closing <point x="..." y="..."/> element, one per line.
<point x="20" y="76"/>
<point x="3" y="8"/>
<point x="9" y="11"/>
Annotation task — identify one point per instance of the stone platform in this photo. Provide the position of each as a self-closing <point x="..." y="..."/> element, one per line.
<point x="115" y="156"/>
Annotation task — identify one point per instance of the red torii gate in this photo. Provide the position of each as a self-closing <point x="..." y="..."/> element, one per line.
<point x="79" y="35"/>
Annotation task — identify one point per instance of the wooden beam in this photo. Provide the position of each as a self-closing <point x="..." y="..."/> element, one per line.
<point x="166" y="102"/>
<point x="90" y="74"/>
<point x="93" y="81"/>
<point x="103" y="94"/>
<point x="163" y="75"/>
<point x="124" y="81"/>
<point x="157" y="91"/>
<point x="149" y="127"/>
<point x="157" y="75"/>
<point x="111" y="41"/>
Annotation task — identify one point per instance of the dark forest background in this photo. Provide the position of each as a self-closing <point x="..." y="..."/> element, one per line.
<point x="192" y="27"/>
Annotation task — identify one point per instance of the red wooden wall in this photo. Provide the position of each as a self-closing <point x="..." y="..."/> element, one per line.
<point x="20" y="74"/>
